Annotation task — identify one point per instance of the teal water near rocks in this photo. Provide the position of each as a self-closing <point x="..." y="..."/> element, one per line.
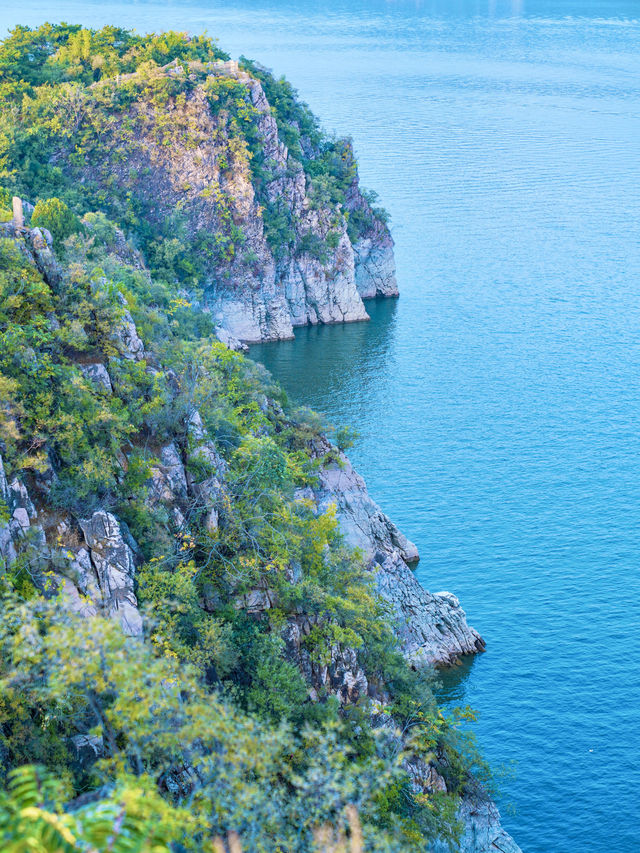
<point x="498" y="401"/>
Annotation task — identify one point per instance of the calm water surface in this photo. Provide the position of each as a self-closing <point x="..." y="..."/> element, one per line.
<point x="498" y="400"/>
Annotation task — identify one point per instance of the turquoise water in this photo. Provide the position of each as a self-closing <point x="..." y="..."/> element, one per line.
<point x="498" y="400"/>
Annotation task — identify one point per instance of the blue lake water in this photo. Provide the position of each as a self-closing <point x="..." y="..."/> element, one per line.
<point x="498" y="400"/>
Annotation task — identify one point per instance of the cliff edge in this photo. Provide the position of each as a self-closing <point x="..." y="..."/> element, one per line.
<point x="208" y="628"/>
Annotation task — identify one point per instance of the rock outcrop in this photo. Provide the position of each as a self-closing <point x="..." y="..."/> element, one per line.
<point x="483" y="832"/>
<point x="91" y="565"/>
<point x="257" y="285"/>
<point x="339" y="675"/>
<point x="432" y="627"/>
<point x="112" y="562"/>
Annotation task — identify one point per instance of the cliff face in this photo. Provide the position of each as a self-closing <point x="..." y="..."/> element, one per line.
<point x="101" y="555"/>
<point x="431" y="628"/>
<point x="90" y="560"/>
<point x="269" y="240"/>
<point x="154" y="480"/>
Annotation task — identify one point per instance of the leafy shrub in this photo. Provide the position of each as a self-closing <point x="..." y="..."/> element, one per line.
<point x="55" y="216"/>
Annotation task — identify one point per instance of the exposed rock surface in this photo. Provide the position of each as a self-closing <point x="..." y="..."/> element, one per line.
<point x="432" y="627"/>
<point x="113" y="566"/>
<point x="37" y="248"/>
<point x="99" y="574"/>
<point x="257" y="293"/>
<point x="340" y="674"/>
<point x="98" y="375"/>
<point x="126" y="337"/>
<point x="483" y="832"/>
<point x="94" y="576"/>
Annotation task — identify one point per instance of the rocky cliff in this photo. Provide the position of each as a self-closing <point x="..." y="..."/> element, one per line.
<point x="164" y="510"/>
<point x="89" y="560"/>
<point x="191" y="157"/>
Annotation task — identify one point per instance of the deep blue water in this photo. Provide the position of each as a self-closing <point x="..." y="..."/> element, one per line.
<point x="498" y="400"/>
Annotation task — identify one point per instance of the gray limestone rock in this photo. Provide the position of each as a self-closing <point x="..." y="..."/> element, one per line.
<point x="169" y="481"/>
<point x="125" y="336"/>
<point x="432" y="628"/>
<point x="230" y="341"/>
<point x="341" y="675"/>
<point x="98" y="375"/>
<point x="4" y="486"/>
<point x="375" y="269"/>
<point x="114" y="566"/>
<point x="483" y="832"/>
<point x="40" y="241"/>
<point x="7" y="548"/>
<point x="18" y="214"/>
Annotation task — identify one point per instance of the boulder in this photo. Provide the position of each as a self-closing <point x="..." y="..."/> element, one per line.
<point x="99" y="377"/>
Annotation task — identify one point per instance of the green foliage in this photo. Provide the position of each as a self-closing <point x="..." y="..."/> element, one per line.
<point x="346" y="437"/>
<point x="208" y="723"/>
<point x="54" y="215"/>
<point x="273" y="786"/>
<point x="132" y="819"/>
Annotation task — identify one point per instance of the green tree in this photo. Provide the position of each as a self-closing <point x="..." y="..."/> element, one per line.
<point x="55" y="216"/>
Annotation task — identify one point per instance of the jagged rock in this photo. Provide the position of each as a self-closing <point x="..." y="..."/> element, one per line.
<point x="4" y="486"/>
<point x="200" y="442"/>
<point x="255" y="601"/>
<point x="424" y="776"/>
<point x="41" y="242"/>
<point x="174" y="469"/>
<point x="17" y="531"/>
<point x="18" y="498"/>
<point x="21" y="517"/>
<point x="342" y="676"/>
<point x="483" y="832"/>
<point x="125" y="336"/>
<point x="375" y="269"/>
<point x="113" y="562"/>
<point x="74" y="601"/>
<point x="362" y="522"/>
<point x="7" y="548"/>
<point x="98" y="375"/>
<point x="254" y="296"/>
<point x="432" y="628"/>
<point x="169" y="481"/>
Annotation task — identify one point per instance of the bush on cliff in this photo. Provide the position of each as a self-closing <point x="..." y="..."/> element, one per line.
<point x="55" y="216"/>
<point x="206" y="724"/>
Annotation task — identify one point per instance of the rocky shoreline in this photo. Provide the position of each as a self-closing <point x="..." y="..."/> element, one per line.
<point x="100" y="576"/>
<point x="86" y="555"/>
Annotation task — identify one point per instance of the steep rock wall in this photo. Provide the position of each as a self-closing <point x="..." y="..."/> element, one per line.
<point x="199" y="151"/>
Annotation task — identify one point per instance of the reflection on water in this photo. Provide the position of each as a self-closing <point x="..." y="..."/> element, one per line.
<point x="452" y="681"/>
<point x="329" y="360"/>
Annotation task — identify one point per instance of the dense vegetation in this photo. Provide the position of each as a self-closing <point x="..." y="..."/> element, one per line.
<point x="76" y="123"/>
<point x="206" y="726"/>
